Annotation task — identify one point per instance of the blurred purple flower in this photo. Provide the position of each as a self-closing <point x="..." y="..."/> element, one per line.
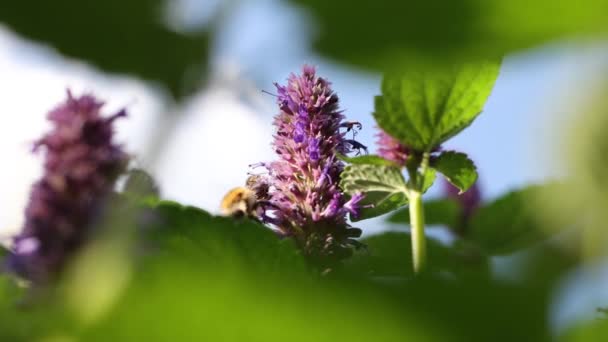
<point x="305" y="199"/>
<point x="81" y="165"/>
<point x="391" y="149"/>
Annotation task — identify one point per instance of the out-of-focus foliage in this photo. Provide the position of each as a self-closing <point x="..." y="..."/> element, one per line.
<point x="390" y="255"/>
<point x="205" y="238"/>
<point x="209" y="278"/>
<point x="426" y="105"/>
<point x="436" y="212"/>
<point x="586" y="159"/>
<point x="118" y="36"/>
<point x="382" y="34"/>
<point x="457" y="168"/>
<point x="508" y="224"/>
<point x="587" y="331"/>
<point x="511" y="223"/>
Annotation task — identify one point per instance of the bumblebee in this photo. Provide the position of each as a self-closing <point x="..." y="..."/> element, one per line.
<point x="239" y="202"/>
<point x="246" y="200"/>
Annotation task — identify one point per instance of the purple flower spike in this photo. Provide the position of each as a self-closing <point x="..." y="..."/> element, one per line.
<point x="391" y="149"/>
<point x="303" y="183"/>
<point x="81" y="165"/>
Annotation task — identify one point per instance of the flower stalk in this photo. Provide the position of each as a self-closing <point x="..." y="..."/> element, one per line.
<point x="417" y="230"/>
<point x="417" y="171"/>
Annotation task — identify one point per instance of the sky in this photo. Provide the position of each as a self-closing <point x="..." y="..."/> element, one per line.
<point x="227" y="125"/>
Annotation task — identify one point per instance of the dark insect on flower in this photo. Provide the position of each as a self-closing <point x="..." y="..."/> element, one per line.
<point x="357" y="146"/>
<point x="303" y="182"/>
<point x="354" y="126"/>
<point x="81" y="166"/>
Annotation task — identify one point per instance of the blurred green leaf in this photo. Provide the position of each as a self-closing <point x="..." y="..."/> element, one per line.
<point x="511" y="222"/>
<point x="189" y="303"/>
<point x="423" y="107"/>
<point x="381" y="35"/>
<point x="585" y="160"/>
<point x="140" y="184"/>
<point x="587" y="331"/>
<point x="118" y="36"/>
<point x="211" y="239"/>
<point x="390" y="254"/>
<point x="436" y="212"/>
<point x="383" y="186"/>
<point x="369" y="160"/>
<point x="29" y="316"/>
<point x="457" y="168"/>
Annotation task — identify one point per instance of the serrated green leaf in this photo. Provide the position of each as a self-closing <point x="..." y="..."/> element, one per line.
<point x="126" y="37"/>
<point x="457" y="168"/>
<point x="384" y="188"/>
<point x="436" y="212"/>
<point x="426" y="106"/>
<point x="368" y="159"/>
<point x="511" y="222"/>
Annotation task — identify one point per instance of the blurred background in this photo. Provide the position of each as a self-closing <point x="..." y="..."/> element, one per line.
<point x="195" y="77"/>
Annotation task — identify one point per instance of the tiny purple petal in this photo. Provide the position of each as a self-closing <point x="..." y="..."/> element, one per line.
<point x="352" y="206"/>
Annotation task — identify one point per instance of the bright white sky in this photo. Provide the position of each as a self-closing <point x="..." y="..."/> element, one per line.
<point x="227" y="126"/>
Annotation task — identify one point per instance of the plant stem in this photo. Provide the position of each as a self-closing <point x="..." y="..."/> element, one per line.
<point x="417" y="213"/>
<point x="417" y="230"/>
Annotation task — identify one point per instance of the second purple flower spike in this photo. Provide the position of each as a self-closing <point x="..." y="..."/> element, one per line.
<point x="81" y="165"/>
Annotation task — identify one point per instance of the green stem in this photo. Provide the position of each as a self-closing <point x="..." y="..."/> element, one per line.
<point x="417" y="214"/>
<point x="417" y="230"/>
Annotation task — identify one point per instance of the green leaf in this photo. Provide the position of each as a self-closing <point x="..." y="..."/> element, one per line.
<point x="195" y="234"/>
<point x="126" y="37"/>
<point x="457" y="168"/>
<point x="390" y="254"/>
<point x="436" y="212"/>
<point x="512" y="222"/>
<point x="429" y="179"/>
<point x="383" y="186"/>
<point x="425" y="106"/>
<point x="141" y="184"/>
<point x="380" y="35"/>
<point x="368" y="159"/>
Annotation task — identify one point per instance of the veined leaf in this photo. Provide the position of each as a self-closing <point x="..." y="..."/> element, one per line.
<point x="425" y="106"/>
<point x="384" y="188"/>
<point x="457" y="168"/>
<point x="368" y="159"/>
